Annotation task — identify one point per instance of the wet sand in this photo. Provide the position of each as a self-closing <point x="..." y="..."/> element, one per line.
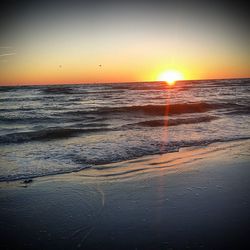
<point x="198" y="198"/>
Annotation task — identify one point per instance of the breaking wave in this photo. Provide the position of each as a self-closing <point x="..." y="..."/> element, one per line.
<point x="46" y="134"/>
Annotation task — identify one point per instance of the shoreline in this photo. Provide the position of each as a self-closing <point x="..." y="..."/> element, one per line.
<point x="120" y="164"/>
<point x="197" y="198"/>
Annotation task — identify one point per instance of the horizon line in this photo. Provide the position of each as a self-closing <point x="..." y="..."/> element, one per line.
<point x="130" y="82"/>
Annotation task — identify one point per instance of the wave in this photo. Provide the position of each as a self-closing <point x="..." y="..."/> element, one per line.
<point x="46" y="134"/>
<point x="174" y="122"/>
<point x="148" y="110"/>
<point x="100" y="163"/>
<point x="239" y="112"/>
<point x="160" y="110"/>
<point x="57" y="90"/>
<point x="29" y="120"/>
<point x="79" y="90"/>
<point x="91" y="127"/>
<point x="169" y="109"/>
<point x="154" y="148"/>
<point x="157" y="110"/>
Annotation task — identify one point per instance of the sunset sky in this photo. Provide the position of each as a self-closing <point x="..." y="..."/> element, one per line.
<point x="120" y="41"/>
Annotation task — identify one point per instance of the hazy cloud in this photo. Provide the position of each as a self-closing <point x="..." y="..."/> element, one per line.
<point x="7" y="54"/>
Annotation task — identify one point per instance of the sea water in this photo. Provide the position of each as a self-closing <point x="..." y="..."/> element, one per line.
<point x="56" y="129"/>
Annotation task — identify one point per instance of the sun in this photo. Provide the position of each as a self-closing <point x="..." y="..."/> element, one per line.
<point x="170" y="76"/>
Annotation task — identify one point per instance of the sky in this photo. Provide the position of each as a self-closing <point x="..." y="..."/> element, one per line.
<point x="51" y="42"/>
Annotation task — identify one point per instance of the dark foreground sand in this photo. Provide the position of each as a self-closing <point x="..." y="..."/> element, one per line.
<point x="198" y="198"/>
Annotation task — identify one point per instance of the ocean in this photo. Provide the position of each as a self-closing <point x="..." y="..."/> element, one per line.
<point x="46" y="130"/>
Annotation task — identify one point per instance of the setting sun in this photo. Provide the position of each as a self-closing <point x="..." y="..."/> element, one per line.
<point x="170" y="76"/>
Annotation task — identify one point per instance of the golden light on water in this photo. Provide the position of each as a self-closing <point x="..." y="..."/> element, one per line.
<point x="170" y="76"/>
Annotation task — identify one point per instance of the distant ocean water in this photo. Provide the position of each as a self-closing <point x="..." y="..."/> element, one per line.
<point x="48" y="130"/>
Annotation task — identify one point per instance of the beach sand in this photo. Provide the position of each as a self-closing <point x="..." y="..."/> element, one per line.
<point x="197" y="198"/>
